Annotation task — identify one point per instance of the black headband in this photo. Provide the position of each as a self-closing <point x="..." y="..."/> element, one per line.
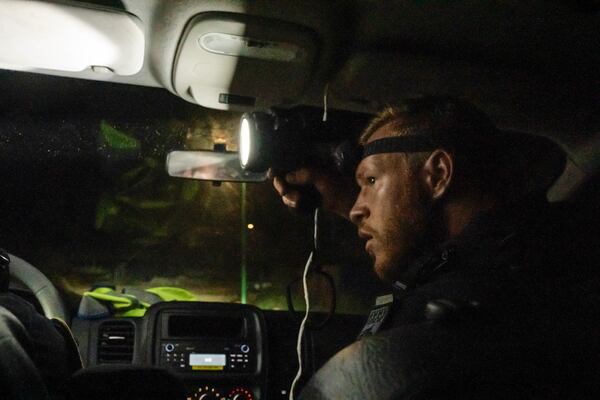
<point x="399" y="144"/>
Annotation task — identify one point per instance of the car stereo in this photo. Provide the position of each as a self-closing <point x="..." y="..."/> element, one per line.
<point x="210" y="346"/>
<point x="225" y="356"/>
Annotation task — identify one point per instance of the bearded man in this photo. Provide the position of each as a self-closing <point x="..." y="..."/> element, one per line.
<point x="492" y="295"/>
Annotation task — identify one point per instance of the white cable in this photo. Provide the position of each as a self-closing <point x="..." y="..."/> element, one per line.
<point x="302" y="325"/>
<point x="325" y="102"/>
<point x="316" y="229"/>
<point x="307" y="303"/>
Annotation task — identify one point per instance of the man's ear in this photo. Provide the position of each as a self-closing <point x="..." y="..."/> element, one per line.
<point x="438" y="172"/>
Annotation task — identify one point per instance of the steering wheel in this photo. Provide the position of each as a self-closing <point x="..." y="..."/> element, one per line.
<point x="19" y="377"/>
<point x="44" y="291"/>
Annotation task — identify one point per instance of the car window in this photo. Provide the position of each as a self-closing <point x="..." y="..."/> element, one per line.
<point x="87" y="200"/>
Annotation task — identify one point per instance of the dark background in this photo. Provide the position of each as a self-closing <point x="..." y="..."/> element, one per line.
<point x="85" y="198"/>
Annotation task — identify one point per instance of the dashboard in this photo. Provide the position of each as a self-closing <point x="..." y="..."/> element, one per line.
<point x="218" y="351"/>
<point x="221" y="351"/>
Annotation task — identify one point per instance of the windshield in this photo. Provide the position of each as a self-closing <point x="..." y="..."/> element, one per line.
<point x="87" y="200"/>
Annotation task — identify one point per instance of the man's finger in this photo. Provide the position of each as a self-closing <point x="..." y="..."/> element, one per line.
<point x="289" y="201"/>
<point x="280" y="186"/>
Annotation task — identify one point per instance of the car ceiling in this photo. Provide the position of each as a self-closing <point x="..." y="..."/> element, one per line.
<point x="532" y="65"/>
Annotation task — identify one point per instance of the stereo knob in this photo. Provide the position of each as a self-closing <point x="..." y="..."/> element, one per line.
<point x="245" y="348"/>
<point x="169" y="347"/>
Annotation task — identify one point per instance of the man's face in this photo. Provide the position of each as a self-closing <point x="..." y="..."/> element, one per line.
<point x="392" y="210"/>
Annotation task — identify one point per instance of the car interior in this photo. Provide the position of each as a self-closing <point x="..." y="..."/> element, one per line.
<point x="175" y="281"/>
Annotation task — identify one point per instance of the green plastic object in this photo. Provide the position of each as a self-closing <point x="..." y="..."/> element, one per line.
<point x="172" y="294"/>
<point x="130" y="302"/>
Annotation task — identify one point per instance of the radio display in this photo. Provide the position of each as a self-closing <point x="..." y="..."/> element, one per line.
<point x="207" y="361"/>
<point x="194" y="326"/>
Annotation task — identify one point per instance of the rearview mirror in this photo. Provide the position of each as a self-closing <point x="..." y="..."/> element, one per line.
<point x="210" y="166"/>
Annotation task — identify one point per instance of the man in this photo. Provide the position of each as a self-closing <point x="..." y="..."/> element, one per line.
<point x="487" y="293"/>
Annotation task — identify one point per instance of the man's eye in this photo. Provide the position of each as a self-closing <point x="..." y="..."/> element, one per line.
<point x="370" y="180"/>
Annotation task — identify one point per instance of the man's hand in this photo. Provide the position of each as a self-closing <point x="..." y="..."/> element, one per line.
<point x="338" y="192"/>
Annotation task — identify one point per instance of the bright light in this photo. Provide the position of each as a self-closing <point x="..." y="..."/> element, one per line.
<point x="250" y="226"/>
<point x="244" y="142"/>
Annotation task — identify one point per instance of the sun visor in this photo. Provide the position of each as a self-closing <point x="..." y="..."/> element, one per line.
<point x="237" y="62"/>
<point x="66" y="37"/>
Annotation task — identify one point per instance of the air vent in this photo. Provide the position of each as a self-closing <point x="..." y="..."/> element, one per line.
<point x="115" y="342"/>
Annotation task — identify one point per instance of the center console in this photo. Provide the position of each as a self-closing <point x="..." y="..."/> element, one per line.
<point x="218" y="350"/>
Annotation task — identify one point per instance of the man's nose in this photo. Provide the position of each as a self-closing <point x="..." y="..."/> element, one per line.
<point x="358" y="212"/>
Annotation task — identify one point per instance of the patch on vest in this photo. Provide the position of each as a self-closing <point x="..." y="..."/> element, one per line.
<point x="378" y="315"/>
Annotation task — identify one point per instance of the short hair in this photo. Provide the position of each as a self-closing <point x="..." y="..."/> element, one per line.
<point x="448" y="119"/>
<point x="485" y="158"/>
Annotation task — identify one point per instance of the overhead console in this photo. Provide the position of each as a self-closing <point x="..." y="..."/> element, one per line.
<point x="218" y="350"/>
<point x="232" y="61"/>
